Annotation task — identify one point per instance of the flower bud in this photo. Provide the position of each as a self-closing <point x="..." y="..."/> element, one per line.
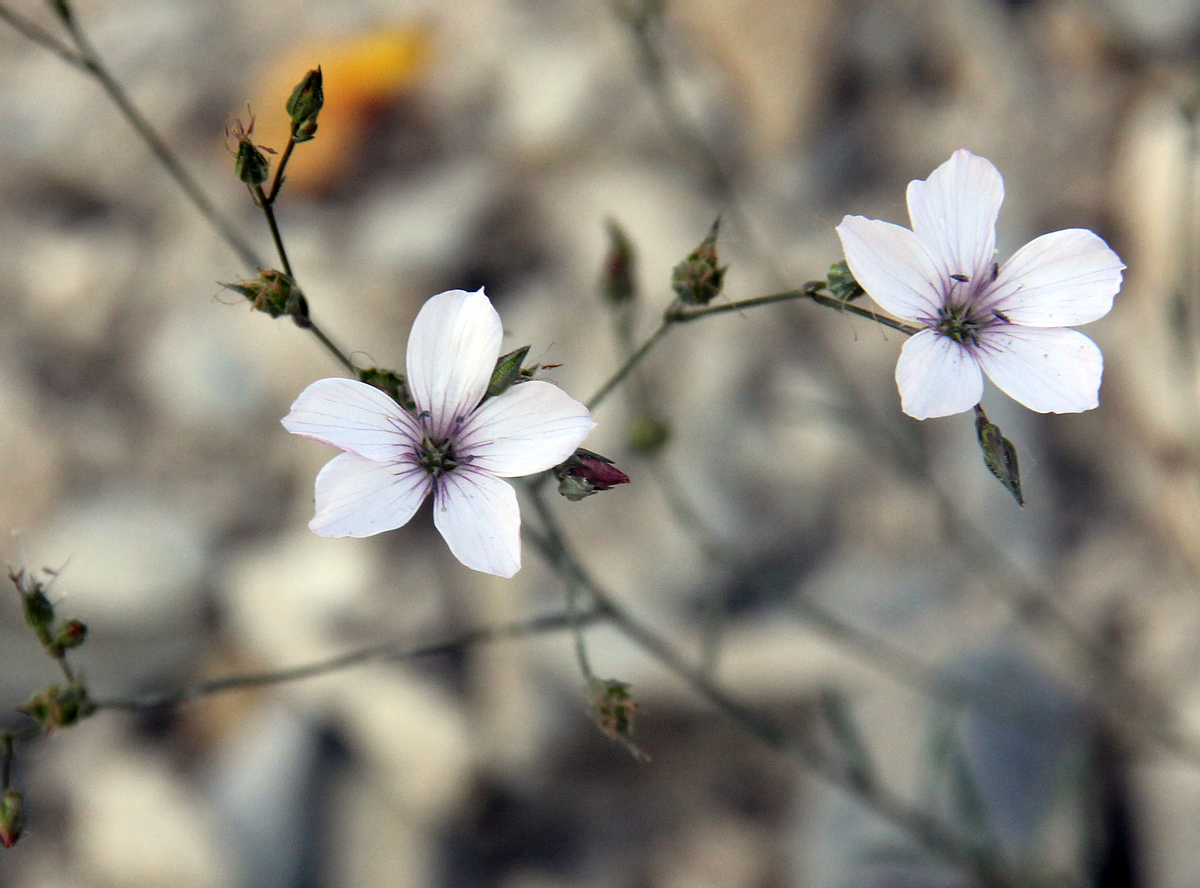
<point x="615" y="706"/>
<point x="70" y="634"/>
<point x="999" y="455"/>
<point x="617" y="282"/>
<point x="12" y="817"/>
<point x="274" y="293"/>
<point x="698" y="279"/>
<point x="391" y="382"/>
<point x="305" y="104"/>
<point x="585" y="473"/>
<point x="250" y="165"/>
<point x="55" y="706"/>
<point x="508" y="371"/>
<point x="841" y="283"/>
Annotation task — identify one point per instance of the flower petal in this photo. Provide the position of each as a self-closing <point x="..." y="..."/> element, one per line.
<point x="937" y="376"/>
<point x="531" y="427"/>
<point x="954" y="214"/>
<point x="478" y="517"/>
<point x="359" y="497"/>
<point x="890" y="263"/>
<point x="352" y="416"/>
<point x="1048" y="370"/>
<point x="452" y="351"/>
<point x="1058" y="279"/>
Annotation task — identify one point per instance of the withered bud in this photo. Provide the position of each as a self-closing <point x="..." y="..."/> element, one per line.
<point x="585" y="473"/>
<point x="56" y="706"/>
<point x="305" y="104"/>
<point x="698" y="279"/>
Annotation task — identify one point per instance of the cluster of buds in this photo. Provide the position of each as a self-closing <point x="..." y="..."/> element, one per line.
<point x="999" y="455"/>
<point x="585" y="473"/>
<point x="276" y="294"/>
<point x="59" y="706"/>
<point x="698" y="279"/>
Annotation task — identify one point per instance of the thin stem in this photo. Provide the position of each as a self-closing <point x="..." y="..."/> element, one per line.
<point x="630" y="362"/>
<point x="277" y="179"/>
<point x="264" y="204"/>
<point x="41" y="37"/>
<point x="378" y="653"/>
<point x="927" y="831"/>
<point x="344" y="359"/>
<point x="91" y="63"/>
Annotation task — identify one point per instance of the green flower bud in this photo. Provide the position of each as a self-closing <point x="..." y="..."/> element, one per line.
<point x="507" y="372"/>
<point x="305" y="104"/>
<point x="70" y="634"/>
<point x="999" y="455"/>
<point x="12" y="817"/>
<point x="698" y="279"/>
<point x="841" y="283"/>
<point x="274" y="293"/>
<point x="390" y="382"/>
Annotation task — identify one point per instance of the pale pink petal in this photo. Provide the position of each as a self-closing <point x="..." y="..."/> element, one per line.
<point x="531" y="427"/>
<point x="478" y="517"/>
<point x="954" y="214"/>
<point x="1058" y="279"/>
<point x="359" y="497"/>
<point x="353" y="416"/>
<point x="891" y="265"/>
<point x="452" y="351"/>
<point x="937" y="376"/>
<point x="1048" y="370"/>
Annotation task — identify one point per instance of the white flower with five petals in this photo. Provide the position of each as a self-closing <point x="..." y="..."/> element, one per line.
<point x="975" y="315"/>
<point x="456" y="445"/>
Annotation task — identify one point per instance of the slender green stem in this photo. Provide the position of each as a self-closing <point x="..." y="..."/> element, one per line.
<point x="260" y="198"/>
<point x="330" y="346"/>
<point x="277" y="179"/>
<point x="390" y="652"/>
<point x="553" y="541"/>
<point x="630" y="362"/>
<point x="41" y="37"/>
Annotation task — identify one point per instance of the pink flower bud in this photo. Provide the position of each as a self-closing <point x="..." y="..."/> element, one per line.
<point x="12" y="817"/>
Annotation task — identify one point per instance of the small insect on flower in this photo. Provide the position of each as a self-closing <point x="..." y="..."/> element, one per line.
<point x="977" y="316"/>
<point x="457" y="444"/>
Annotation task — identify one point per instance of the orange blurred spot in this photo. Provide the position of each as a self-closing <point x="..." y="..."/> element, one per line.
<point x="363" y="74"/>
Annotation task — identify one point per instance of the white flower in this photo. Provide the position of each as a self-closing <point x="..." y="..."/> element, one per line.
<point x="456" y="445"/>
<point x="977" y="316"/>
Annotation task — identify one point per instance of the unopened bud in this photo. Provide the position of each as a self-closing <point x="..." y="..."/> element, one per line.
<point x="37" y="609"/>
<point x="250" y="164"/>
<point x="999" y="455"/>
<point x="12" y="817"/>
<point x="617" y="282"/>
<point x="615" y="706"/>
<point x="55" y="706"/>
<point x="698" y="279"/>
<point x="841" y="283"/>
<point x="585" y="473"/>
<point x="507" y="372"/>
<point x="305" y="104"/>
<point x="70" y="634"/>
<point x="391" y="382"/>
<point x="274" y="293"/>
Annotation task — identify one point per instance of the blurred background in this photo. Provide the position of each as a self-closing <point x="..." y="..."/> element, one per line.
<point x="818" y="550"/>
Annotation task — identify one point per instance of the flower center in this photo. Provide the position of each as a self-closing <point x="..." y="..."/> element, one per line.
<point x="958" y="323"/>
<point x="436" y="457"/>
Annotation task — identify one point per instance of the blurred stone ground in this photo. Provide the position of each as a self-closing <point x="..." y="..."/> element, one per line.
<point x="486" y="144"/>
